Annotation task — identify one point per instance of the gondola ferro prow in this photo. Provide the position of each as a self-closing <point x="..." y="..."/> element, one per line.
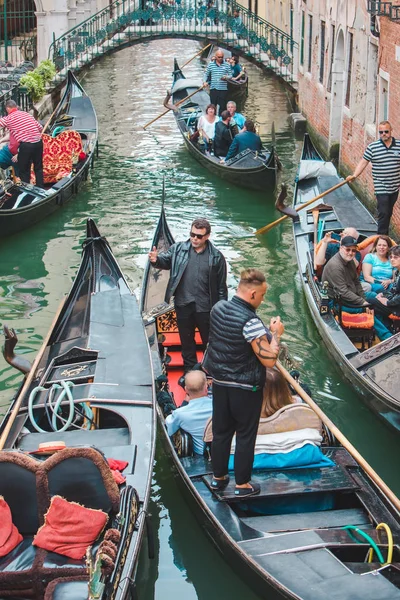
<point x="285" y="210"/>
<point x="15" y="360"/>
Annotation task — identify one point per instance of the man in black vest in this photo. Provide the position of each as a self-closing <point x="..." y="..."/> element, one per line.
<point x="239" y="349"/>
<point x="197" y="281"/>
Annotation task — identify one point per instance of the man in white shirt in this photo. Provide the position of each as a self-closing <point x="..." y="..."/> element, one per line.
<point x="193" y="417"/>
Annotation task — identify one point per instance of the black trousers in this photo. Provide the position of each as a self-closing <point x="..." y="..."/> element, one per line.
<point x="29" y="153"/>
<point x="188" y="319"/>
<point x="219" y="98"/>
<point x="386" y="204"/>
<point x="234" y="410"/>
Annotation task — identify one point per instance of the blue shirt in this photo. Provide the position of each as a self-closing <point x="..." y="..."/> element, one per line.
<point x="192" y="418"/>
<point x="380" y="270"/>
<point x="242" y="141"/>
<point x="239" y="119"/>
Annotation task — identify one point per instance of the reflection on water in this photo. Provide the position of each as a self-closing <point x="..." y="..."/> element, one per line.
<point x="124" y="196"/>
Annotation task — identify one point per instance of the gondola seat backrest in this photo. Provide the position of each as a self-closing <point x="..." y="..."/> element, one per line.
<point x="290" y="418"/>
<point x="18" y="488"/>
<point x="287" y="418"/>
<point x="79" y="475"/>
<point x="59" y="155"/>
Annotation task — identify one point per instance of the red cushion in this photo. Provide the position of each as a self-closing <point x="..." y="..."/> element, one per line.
<point x="10" y="537"/>
<point x="70" y="528"/>
<point x="358" y="320"/>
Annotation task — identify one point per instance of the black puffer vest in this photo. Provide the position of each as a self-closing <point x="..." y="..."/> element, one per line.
<point x="229" y="357"/>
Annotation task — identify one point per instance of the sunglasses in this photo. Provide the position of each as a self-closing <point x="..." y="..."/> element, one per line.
<point x="384" y="131"/>
<point x="199" y="236"/>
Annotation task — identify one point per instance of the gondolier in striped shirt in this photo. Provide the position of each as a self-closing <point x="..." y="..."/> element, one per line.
<point x="28" y="132"/>
<point x="384" y="155"/>
<point x="217" y="74"/>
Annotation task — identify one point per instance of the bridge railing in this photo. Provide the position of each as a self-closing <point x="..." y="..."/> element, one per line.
<point x="125" y="21"/>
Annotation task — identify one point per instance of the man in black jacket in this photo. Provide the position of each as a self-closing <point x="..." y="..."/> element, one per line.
<point x="197" y="281"/>
<point x="223" y="135"/>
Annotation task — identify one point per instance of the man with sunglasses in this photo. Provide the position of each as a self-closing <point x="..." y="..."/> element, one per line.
<point x="197" y="282"/>
<point x="343" y="282"/>
<point x="384" y="156"/>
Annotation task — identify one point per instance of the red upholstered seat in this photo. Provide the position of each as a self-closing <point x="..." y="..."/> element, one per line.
<point x="358" y="320"/>
<point x="59" y="155"/>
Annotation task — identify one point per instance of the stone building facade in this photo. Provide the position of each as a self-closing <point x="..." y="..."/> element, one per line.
<point x="55" y="17"/>
<point x="348" y="75"/>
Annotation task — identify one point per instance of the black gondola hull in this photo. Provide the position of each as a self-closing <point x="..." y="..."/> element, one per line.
<point x="384" y="403"/>
<point x="262" y="176"/>
<point x="13" y="220"/>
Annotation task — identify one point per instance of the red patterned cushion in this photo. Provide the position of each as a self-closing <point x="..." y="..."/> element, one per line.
<point x="58" y="155"/>
<point x="70" y="528"/>
<point x="10" y="537"/>
<point x="358" y="320"/>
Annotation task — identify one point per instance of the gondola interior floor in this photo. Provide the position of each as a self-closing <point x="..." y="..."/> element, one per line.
<point x="172" y="343"/>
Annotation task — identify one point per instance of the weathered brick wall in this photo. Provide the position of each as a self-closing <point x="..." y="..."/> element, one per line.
<point x="389" y="39"/>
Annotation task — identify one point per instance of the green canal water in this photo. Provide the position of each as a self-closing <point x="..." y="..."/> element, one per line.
<point x="38" y="266"/>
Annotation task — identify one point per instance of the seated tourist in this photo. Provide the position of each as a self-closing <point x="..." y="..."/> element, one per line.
<point x="330" y="245"/>
<point x="236" y="118"/>
<point x="223" y="135"/>
<point x="247" y="139"/>
<point x="289" y="432"/>
<point x="9" y="152"/>
<point x="390" y="298"/>
<point x="376" y="267"/>
<point x="276" y="394"/>
<point x="207" y="122"/>
<point x="343" y="283"/>
<point x="193" y="417"/>
<point x="236" y="68"/>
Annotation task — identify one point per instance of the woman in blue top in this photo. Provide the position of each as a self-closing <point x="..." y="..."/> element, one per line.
<point x="376" y="267"/>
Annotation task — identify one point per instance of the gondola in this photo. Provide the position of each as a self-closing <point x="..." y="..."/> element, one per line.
<point x="22" y="204"/>
<point x="373" y="372"/>
<point x="291" y="541"/>
<point x="247" y="169"/>
<point x="87" y="402"/>
<point x="237" y="90"/>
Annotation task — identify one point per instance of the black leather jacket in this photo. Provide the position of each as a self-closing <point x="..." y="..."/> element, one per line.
<point x="176" y="258"/>
<point x="393" y="293"/>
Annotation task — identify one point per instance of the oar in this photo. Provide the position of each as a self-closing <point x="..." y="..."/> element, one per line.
<point x="28" y="380"/>
<point x="177" y="104"/>
<point x="49" y="119"/>
<point x="271" y="225"/>
<point x="315" y="214"/>
<point x="197" y="54"/>
<point x="341" y="438"/>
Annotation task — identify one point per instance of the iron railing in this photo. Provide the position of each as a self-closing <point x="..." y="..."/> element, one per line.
<point x="20" y="95"/>
<point x="17" y="31"/>
<point x="124" y="22"/>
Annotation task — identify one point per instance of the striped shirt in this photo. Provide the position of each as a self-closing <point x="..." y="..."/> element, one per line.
<point x="254" y="329"/>
<point x="385" y="165"/>
<point x="22" y="126"/>
<point x="215" y="72"/>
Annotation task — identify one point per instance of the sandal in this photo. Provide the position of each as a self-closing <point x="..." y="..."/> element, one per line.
<point x="219" y="484"/>
<point x="251" y="491"/>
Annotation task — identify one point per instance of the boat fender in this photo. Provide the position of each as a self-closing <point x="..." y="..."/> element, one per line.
<point x="150" y="536"/>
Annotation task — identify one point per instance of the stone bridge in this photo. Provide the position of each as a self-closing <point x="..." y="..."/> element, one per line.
<point x="225" y="23"/>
